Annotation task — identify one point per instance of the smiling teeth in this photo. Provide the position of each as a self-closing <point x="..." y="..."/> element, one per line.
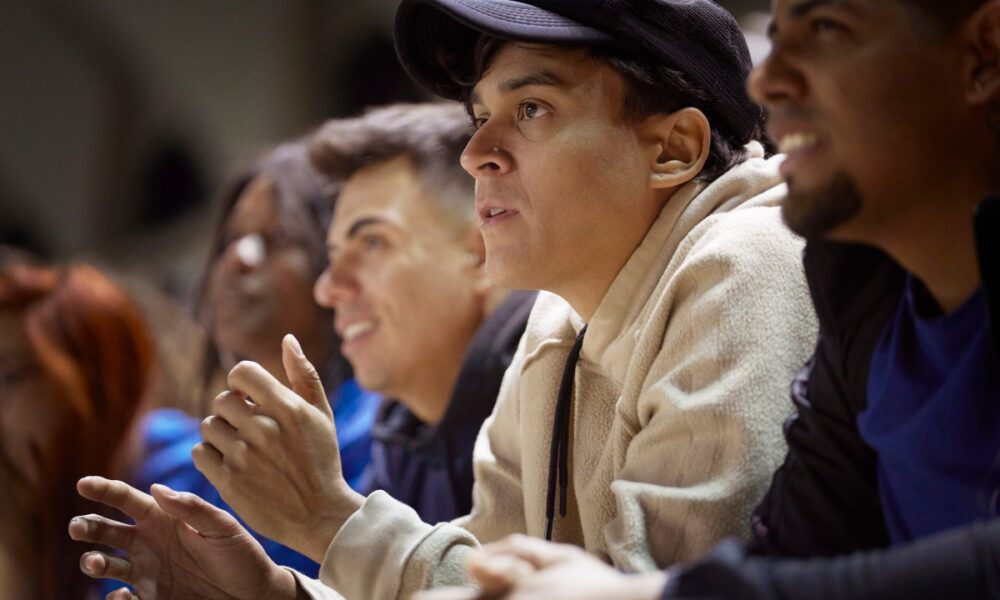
<point x="355" y="329"/>
<point x="496" y="211"/>
<point x="794" y="142"/>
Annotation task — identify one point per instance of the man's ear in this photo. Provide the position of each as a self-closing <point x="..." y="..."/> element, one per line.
<point x="982" y="33"/>
<point x="679" y="144"/>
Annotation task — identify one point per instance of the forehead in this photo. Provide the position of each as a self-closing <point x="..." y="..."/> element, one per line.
<point x="519" y="64"/>
<point x="865" y="9"/>
<point x="389" y="191"/>
<point x="256" y="205"/>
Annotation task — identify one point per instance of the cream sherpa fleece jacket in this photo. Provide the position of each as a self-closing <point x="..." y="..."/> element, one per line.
<point x="681" y="390"/>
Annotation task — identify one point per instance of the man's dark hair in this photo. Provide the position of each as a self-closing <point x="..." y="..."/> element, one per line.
<point x="650" y="88"/>
<point x="432" y="136"/>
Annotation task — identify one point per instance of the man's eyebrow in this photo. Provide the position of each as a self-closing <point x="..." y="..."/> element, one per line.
<point x="803" y="8"/>
<point x="807" y="6"/>
<point x="543" y="77"/>
<point x="354" y="229"/>
<point x="360" y="224"/>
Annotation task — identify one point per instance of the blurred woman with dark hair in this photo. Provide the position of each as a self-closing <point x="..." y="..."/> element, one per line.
<point x="76" y="361"/>
<point x="268" y="250"/>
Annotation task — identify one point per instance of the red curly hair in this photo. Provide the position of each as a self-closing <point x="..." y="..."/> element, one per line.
<point x="92" y="344"/>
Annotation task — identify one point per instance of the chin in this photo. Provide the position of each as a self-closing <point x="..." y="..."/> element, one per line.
<point x="822" y="210"/>
<point x="371" y="380"/>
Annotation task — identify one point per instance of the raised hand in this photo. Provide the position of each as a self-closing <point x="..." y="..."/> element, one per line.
<point x="272" y="453"/>
<point x="180" y="547"/>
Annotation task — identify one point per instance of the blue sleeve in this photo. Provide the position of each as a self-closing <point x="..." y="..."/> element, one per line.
<point x="354" y="413"/>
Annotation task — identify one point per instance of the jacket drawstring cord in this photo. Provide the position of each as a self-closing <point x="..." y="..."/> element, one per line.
<point x="559" y="451"/>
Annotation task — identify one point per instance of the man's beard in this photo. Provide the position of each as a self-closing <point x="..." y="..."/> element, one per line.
<point x="815" y="212"/>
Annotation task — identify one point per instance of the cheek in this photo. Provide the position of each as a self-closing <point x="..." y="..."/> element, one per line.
<point x="217" y="280"/>
<point x="290" y="285"/>
<point x="293" y="268"/>
<point x="423" y="302"/>
<point x="589" y="175"/>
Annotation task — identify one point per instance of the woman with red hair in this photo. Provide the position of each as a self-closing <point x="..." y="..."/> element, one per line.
<point x="76" y="360"/>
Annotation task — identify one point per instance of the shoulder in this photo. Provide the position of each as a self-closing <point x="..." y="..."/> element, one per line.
<point x="749" y="247"/>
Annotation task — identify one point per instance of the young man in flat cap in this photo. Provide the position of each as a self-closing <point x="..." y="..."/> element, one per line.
<point x="617" y="168"/>
<point x="889" y="111"/>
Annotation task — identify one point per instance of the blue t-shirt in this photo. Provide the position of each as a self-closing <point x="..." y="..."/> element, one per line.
<point x="933" y="416"/>
<point x="170" y="435"/>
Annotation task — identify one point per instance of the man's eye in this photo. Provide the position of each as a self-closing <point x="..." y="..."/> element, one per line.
<point x="530" y="110"/>
<point x="372" y="242"/>
<point x="478" y="122"/>
<point x="821" y="25"/>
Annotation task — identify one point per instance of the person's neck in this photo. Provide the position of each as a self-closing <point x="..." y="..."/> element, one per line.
<point x="585" y="289"/>
<point x="585" y="293"/>
<point x="430" y="397"/>
<point x="939" y="249"/>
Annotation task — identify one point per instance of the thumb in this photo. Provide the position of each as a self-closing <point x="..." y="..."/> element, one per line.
<point x="302" y="375"/>
<point x="207" y="520"/>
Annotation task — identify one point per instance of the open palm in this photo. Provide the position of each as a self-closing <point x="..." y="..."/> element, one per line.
<point x="179" y="547"/>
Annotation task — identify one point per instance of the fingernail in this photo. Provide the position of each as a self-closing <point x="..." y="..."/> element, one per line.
<point x="91" y="563"/>
<point x="169" y="493"/>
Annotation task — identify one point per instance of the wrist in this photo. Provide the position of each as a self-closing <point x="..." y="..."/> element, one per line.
<point x="284" y="586"/>
<point x="329" y="523"/>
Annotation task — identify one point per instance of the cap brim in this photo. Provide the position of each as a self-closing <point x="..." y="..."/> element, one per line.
<point x="431" y="34"/>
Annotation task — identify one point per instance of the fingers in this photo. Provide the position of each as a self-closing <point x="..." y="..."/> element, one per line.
<point x="216" y="432"/>
<point x="302" y="375"/>
<point x="209" y="461"/>
<point x="498" y="573"/>
<point x="251" y="379"/>
<point x="105" y="566"/>
<point x="121" y="594"/>
<point x="534" y="551"/>
<point x="450" y="593"/>
<point x="232" y="407"/>
<point x="99" y="530"/>
<point x="207" y="520"/>
<point x="238" y="420"/>
<point x="116" y="494"/>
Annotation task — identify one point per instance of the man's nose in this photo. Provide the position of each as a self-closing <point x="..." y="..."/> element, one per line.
<point x="485" y="154"/>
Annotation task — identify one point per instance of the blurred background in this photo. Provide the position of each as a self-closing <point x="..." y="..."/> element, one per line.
<point x="120" y="120"/>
